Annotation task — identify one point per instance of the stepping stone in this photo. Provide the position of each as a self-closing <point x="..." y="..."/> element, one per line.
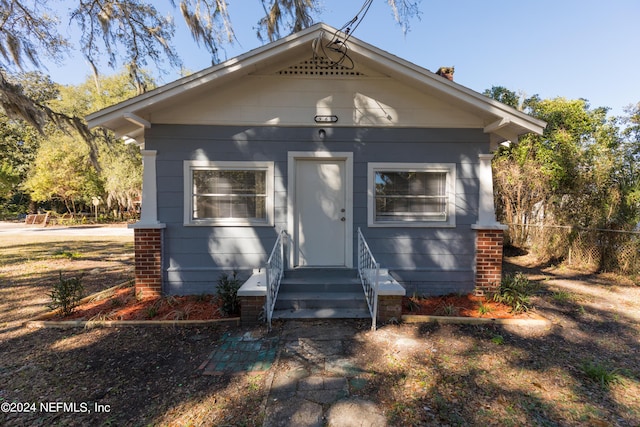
<point x="295" y="412"/>
<point x="355" y="413"/>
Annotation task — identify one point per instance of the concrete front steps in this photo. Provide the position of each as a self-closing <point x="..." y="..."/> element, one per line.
<point x="310" y="293"/>
<point x="319" y="293"/>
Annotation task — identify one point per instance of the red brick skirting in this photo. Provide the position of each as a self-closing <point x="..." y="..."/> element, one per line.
<point x="389" y="307"/>
<point x="148" y="256"/>
<point x="489" y="245"/>
<point x="251" y="310"/>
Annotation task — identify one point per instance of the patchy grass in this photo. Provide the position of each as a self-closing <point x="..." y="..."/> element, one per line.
<point x="562" y="296"/>
<point x="600" y="373"/>
<point x="65" y="253"/>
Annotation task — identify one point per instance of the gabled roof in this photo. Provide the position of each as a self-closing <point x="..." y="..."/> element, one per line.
<point x="129" y="118"/>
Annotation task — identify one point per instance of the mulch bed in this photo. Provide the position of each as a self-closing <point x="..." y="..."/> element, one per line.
<point x="458" y="306"/>
<point x="123" y="304"/>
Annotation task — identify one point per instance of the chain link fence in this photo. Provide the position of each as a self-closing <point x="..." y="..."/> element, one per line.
<point x="604" y="250"/>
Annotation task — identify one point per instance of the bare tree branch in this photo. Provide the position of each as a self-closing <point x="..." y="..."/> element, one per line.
<point x="209" y="23"/>
<point x="294" y="15"/>
<point x="131" y="33"/>
<point x="28" y="31"/>
<point x="403" y="11"/>
<point x="17" y="105"/>
<point x="132" y="30"/>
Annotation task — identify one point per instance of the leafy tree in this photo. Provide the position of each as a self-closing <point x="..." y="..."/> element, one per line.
<point x="504" y="95"/>
<point x="123" y="183"/>
<point x="580" y="172"/>
<point x="521" y="189"/>
<point x="28" y="31"/>
<point x="628" y="153"/>
<point x="18" y="145"/>
<point x="9" y="179"/>
<point x="62" y="171"/>
<point x="120" y="165"/>
<point x="632" y="131"/>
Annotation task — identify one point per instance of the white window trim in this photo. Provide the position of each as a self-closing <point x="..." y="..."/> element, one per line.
<point x="448" y="168"/>
<point x="191" y="165"/>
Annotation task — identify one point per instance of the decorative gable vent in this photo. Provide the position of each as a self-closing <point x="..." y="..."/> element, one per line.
<point x="320" y="67"/>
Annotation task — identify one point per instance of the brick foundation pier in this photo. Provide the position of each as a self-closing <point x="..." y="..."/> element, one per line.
<point x="148" y="258"/>
<point x="489" y="245"/>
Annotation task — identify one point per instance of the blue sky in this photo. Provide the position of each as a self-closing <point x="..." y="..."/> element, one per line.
<point x="571" y="48"/>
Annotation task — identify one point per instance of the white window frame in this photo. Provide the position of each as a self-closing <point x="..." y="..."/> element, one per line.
<point x="193" y="165"/>
<point x="450" y="188"/>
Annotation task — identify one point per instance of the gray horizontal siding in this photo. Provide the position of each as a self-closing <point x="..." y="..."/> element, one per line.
<point x="195" y="256"/>
<point x="435" y="282"/>
<point x="198" y="281"/>
<point x="435" y="249"/>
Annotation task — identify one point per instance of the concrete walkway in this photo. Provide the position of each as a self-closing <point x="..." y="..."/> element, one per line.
<point x="315" y="376"/>
<point x="311" y="374"/>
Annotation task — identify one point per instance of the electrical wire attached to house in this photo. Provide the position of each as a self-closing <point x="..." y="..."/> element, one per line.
<point x="335" y="50"/>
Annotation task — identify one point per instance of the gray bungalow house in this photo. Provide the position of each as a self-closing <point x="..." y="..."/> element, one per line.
<point x="322" y="139"/>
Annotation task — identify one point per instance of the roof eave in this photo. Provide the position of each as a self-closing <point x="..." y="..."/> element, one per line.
<point x="519" y="122"/>
<point x="515" y="122"/>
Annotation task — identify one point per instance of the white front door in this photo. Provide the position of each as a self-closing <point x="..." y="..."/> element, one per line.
<point x="320" y="213"/>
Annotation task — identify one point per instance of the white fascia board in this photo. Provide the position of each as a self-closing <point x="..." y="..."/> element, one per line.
<point x="421" y="76"/>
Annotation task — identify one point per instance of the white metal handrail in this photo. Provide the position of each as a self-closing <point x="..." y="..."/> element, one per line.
<point x="274" y="269"/>
<point x="369" y="272"/>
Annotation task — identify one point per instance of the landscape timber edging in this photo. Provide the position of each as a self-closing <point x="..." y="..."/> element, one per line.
<point x="117" y="323"/>
<point x="413" y="318"/>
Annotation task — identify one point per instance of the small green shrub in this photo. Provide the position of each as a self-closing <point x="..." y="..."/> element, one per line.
<point x="484" y="309"/>
<point x="562" y="296"/>
<point x="449" y="310"/>
<point x="170" y="300"/>
<point x="497" y="339"/>
<point x="227" y="293"/>
<point x="600" y="373"/>
<point x="414" y="303"/>
<point x="515" y="291"/>
<point x="151" y="312"/>
<point x="66" y="294"/>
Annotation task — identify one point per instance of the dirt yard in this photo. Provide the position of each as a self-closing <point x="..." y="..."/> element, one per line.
<point x="583" y="370"/>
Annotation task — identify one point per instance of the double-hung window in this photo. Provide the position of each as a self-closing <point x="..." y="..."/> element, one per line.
<point x="228" y="193"/>
<point x="411" y="194"/>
